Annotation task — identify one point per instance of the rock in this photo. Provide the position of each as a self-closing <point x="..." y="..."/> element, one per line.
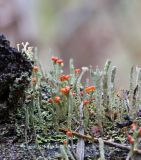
<point x="15" y="71"/>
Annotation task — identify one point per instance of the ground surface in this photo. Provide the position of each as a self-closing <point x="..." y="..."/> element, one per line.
<point x="12" y="149"/>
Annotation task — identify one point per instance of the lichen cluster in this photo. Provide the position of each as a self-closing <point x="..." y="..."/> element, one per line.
<point x="60" y="107"/>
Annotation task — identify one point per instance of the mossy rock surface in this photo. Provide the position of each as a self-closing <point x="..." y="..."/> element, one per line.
<point x="15" y="70"/>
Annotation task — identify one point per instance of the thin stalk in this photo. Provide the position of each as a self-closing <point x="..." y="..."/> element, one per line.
<point x="70" y="109"/>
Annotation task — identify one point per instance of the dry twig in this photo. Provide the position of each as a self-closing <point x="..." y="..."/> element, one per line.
<point x="89" y="138"/>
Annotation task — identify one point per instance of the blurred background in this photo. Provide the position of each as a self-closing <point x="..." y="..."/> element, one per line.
<point x="89" y="31"/>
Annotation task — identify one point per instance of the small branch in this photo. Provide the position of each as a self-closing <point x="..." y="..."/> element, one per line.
<point x="138" y="151"/>
<point x="89" y="138"/>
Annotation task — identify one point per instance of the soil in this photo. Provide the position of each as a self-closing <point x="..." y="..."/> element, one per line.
<point x="9" y="151"/>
